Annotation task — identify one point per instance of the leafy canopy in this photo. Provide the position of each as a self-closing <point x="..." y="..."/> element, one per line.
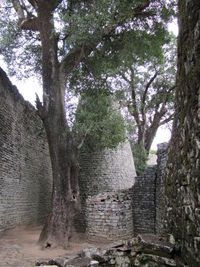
<point x="111" y="28"/>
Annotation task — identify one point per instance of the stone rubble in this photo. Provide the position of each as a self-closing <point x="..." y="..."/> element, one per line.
<point x="143" y="250"/>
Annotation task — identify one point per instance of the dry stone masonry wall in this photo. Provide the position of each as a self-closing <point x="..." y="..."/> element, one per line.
<point x="182" y="175"/>
<point x="162" y="155"/>
<point x="118" y="203"/>
<point x="120" y="214"/>
<point x="143" y="195"/>
<point x="25" y="169"/>
<point x="109" y="216"/>
<point x="108" y="170"/>
<point x="104" y="171"/>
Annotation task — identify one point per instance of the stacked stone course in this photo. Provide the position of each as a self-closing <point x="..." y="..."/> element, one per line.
<point x="25" y="169"/>
<point x="118" y="204"/>
<point x="104" y="171"/>
<point x="109" y="216"/>
<point x="162" y="154"/>
<point x="144" y="213"/>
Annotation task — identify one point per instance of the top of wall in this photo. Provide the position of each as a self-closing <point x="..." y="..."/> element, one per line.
<point x="8" y="89"/>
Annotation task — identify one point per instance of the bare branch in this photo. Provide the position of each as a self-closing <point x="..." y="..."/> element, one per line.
<point x="144" y="96"/>
<point x="84" y="137"/>
<point x="125" y="78"/>
<point x="19" y="10"/>
<point x="168" y="119"/>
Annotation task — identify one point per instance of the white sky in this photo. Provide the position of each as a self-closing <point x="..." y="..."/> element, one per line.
<point x="29" y="87"/>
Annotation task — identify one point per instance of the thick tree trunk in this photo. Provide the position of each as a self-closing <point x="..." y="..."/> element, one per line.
<point x="182" y="175"/>
<point x="150" y="135"/>
<point x="65" y="195"/>
<point x="146" y="137"/>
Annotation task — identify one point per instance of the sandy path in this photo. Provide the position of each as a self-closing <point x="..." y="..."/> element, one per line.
<point x="19" y="248"/>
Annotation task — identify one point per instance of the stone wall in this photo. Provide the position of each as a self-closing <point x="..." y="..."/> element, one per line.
<point x="108" y="170"/>
<point x="104" y="171"/>
<point x="162" y="155"/>
<point x="109" y="216"/>
<point x="144" y="212"/>
<point x="182" y="175"/>
<point x="25" y="169"/>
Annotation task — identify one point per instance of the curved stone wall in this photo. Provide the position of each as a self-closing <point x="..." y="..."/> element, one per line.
<point x="104" y="171"/>
<point x="109" y="170"/>
<point x="109" y="216"/>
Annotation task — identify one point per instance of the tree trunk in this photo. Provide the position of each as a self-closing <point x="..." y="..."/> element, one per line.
<point x="182" y="175"/>
<point x="146" y="136"/>
<point x="150" y="135"/>
<point x="65" y="194"/>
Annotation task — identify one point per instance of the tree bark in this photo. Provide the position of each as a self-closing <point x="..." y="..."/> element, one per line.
<point x="65" y="194"/>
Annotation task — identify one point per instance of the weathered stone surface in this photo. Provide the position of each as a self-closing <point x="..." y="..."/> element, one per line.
<point x="143" y="195"/>
<point x="104" y="171"/>
<point x="155" y="245"/>
<point x="78" y="262"/>
<point x="153" y="260"/>
<point x="162" y="156"/>
<point x="25" y="168"/>
<point x="182" y="174"/>
<point x="109" y="216"/>
<point x="143" y="251"/>
<point x="42" y="262"/>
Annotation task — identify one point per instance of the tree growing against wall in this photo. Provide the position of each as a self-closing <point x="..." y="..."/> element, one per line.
<point x="52" y="37"/>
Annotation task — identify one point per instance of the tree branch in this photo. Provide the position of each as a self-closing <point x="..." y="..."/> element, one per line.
<point x="30" y="24"/>
<point x="19" y="10"/>
<point x="51" y="5"/>
<point x="141" y="7"/>
<point x="33" y="3"/>
<point x="25" y="23"/>
<point x="84" y="137"/>
<point x="71" y="61"/>
<point x="125" y="78"/>
<point x="168" y="119"/>
<point x="144" y="96"/>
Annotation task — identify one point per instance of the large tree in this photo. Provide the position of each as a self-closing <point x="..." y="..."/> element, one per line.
<point x="141" y="75"/>
<point x="52" y="37"/>
<point x="146" y="87"/>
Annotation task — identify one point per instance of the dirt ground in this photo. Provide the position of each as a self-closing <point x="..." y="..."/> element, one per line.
<point x="19" y="248"/>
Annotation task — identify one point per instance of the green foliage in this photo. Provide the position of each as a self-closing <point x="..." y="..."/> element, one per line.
<point x="140" y="158"/>
<point x="111" y="28"/>
<point x="147" y="89"/>
<point x="152" y="152"/>
<point x="98" y="122"/>
<point x="21" y="50"/>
